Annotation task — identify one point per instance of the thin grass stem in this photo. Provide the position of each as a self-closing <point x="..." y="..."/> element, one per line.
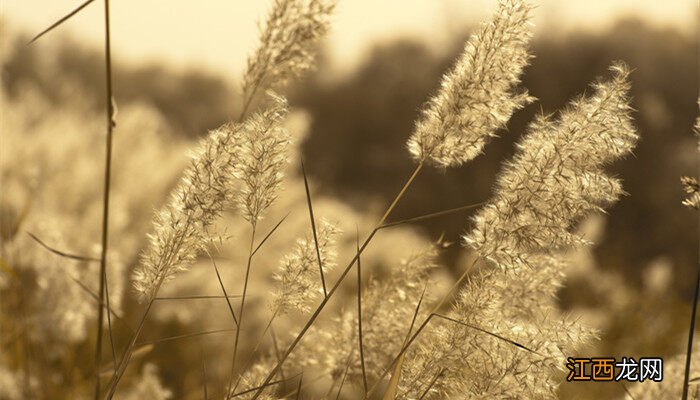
<point x="105" y="200"/>
<point x="164" y="298"/>
<point x="223" y="289"/>
<point x="255" y="348"/>
<point x="335" y="287"/>
<point x="109" y="324"/>
<point x="240" y="312"/>
<point x="60" y="21"/>
<point x="431" y="215"/>
<point x="185" y="336"/>
<point x="359" y="310"/>
<point x="691" y="333"/>
<point x="313" y="229"/>
<point x="432" y="383"/>
<point x="62" y="253"/>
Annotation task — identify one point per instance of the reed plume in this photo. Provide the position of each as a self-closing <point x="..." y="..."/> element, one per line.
<point x="261" y="160"/>
<point x="298" y="275"/>
<point x="478" y="96"/>
<point x="286" y="45"/>
<point x="236" y="164"/>
<point x="499" y="332"/>
<point x="556" y="176"/>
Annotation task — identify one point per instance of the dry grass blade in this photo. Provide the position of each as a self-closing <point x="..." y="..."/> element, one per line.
<point x="240" y="312"/>
<point x="345" y="272"/>
<point x="302" y="386"/>
<point x="106" y="190"/>
<point x="406" y="342"/>
<point x="495" y="335"/>
<point x="186" y="336"/>
<point x="432" y="383"/>
<point x="277" y="349"/>
<point x="94" y="296"/>
<point x="436" y="308"/>
<point x="109" y="323"/>
<point x="273" y="230"/>
<point x="223" y="289"/>
<point x="345" y="376"/>
<point x="313" y="229"/>
<point x="359" y="310"/>
<point x="204" y="297"/>
<point x="128" y="353"/>
<point x="138" y="353"/>
<point x="263" y="386"/>
<point x="691" y="332"/>
<point x="393" y="387"/>
<point x="60" y="21"/>
<point x="415" y="314"/>
<point x="301" y="380"/>
<point x="255" y="349"/>
<point x="628" y="392"/>
<point x="62" y="253"/>
<point x="432" y="215"/>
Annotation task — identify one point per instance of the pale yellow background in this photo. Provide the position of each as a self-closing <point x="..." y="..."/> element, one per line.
<point x="217" y="34"/>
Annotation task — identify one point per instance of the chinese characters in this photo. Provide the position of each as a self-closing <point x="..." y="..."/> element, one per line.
<point x="601" y="369"/>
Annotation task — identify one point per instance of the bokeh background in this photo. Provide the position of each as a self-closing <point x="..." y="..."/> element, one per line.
<point x="382" y="61"/>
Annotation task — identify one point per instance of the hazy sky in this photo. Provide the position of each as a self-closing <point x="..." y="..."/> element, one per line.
<point x="218" y="34"/>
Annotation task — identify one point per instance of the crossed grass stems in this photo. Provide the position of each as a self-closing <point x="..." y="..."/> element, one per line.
<point x="135" y="349"/>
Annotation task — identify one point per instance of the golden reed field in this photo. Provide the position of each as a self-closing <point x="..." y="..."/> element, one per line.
<point x="514" y="216"/>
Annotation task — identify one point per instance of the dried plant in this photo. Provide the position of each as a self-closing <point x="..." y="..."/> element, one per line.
<point x="253" y="153"/>
<point x="286" y="47"/>
<point x="478" y="96"/>
<point x="497" y="333"/>
<point x="691" y="186"/>
<point x="554" y="180"/>
<point x="298" y="276"/>
<point x="556" y="177"/>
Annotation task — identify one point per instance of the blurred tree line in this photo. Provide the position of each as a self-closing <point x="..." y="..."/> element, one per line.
<point x="360" y="124"/>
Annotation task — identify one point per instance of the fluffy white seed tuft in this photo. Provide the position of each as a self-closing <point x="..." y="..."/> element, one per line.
<point x="477" y="97"/>
<point x="236" y="164"/>
<point x="286" y="50"/>
<point x="556" y="177"/>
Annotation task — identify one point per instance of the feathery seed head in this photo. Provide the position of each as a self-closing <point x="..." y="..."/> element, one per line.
<point x="556" y="177"/>
<point x="180" y="227"/>
<point x="292" y="29"/>
<point x="474" y="364"/>
<point x="477" y="97"/>
<point x="253" y="152"/>
<point x="262" y="157"/>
